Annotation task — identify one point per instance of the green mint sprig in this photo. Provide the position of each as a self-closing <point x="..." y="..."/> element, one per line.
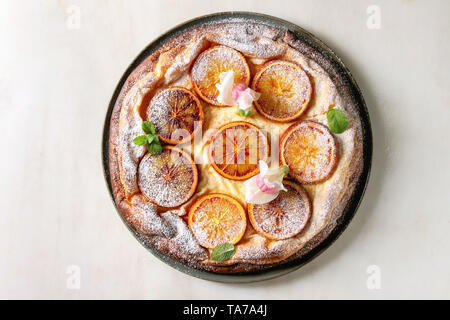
<point x="337" y="121"/>
<point x="222" y="252"/>
<point x="150" y="138"/>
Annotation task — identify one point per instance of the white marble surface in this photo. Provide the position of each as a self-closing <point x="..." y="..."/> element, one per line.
<point x="55" y="84"/>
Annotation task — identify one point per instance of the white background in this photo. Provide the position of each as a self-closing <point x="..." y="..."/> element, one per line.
<point x="55" y="85"/>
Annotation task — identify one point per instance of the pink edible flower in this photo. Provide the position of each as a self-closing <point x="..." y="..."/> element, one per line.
<point x="237" y="91"/>
<point x="265" y="186"/>
<point x="238" y="95"/>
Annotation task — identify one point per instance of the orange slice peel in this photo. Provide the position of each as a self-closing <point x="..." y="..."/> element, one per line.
<point x="285" y="90"/>
<point x="309" y="149"/>
<point x="234" y="151"/>
<point x="217" y="218"/>
<point x="169" y="179"/>
<point x="176" y="113"/>
<point x="210" y="64"/>
<point x="285" y="216"/>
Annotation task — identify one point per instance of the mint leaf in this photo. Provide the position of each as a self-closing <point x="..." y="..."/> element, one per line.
<point x="150" y="138"/>
<point x="337" y="121"/>
<point x="154" y="148"/>
<point x="148" y="127"/>
<point x="140" y="140"/>
<point x="222" y="252"/>
<point x="284" y="169"/>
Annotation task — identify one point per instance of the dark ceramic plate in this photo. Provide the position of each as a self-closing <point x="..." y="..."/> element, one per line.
<point x="334" y="65"/>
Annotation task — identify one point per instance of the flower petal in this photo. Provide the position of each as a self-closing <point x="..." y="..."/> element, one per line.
<point x="237" y="90"/>
<point x="225" y="88"/>
<point x="265" y="186"/>
<point x="253" y="193"/>
<point x="263" y="167"/>
<point x="246" y="98"/>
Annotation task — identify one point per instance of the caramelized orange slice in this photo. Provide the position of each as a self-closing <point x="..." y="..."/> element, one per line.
<point x="285" y="216"/>
<point x="169" y="179"/>
<point x="285" y="91"/>
<point x="235" y="150"/>
<point x="309" y="150"/>
<point x="208" y="67"/>
<point x="176" y="113"/>
<point x="217" y="218"/>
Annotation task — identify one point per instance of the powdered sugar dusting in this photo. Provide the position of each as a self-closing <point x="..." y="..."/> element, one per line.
<point x="183" y="61"/>
<point x="285" y="216"/>
<point x="175" y="112"/>
<point x="148" y="221"/>
<point x="216" y="220"/>
<point x="285" y="90"/>
<point x="310" y="152"/>
<point x="168" y="178"/>
<point x="251" y="39"/>
<point x="129" y="128"/>
<point x="167" y="230"/>
<point x="184" y="240"/>
<point x="258" y="43"/>
<point x="211" y="64"/>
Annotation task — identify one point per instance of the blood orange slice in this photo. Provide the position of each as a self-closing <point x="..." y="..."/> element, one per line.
<point x="208" y="67"/>
<point x="169" y="179"/>
<point x="217" y="218"/>
<point x="285" y="216"/>
<point x="176" y="113"/>
<point x="236" y="148"/>
<point x="310" y="151"/>
<point x="285" y="91"/>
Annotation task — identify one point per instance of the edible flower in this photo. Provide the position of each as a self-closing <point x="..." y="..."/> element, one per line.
<point x="265" y="186"/>
<point x="238" y="95"/>
<point x="225" y="88"/>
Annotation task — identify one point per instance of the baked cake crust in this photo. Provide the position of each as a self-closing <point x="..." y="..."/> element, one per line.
<point x="166" y="230"/>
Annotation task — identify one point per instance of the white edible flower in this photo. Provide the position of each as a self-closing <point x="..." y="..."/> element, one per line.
<point x="265" y="186"/>
<point x="238" y="95"/>
<point x="225" y="88"/>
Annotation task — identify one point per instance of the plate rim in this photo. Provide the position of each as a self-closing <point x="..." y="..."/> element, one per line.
<point x="355" y="198"/>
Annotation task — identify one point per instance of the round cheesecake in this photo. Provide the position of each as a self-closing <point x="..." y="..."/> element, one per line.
<point x="174" y="201"/>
